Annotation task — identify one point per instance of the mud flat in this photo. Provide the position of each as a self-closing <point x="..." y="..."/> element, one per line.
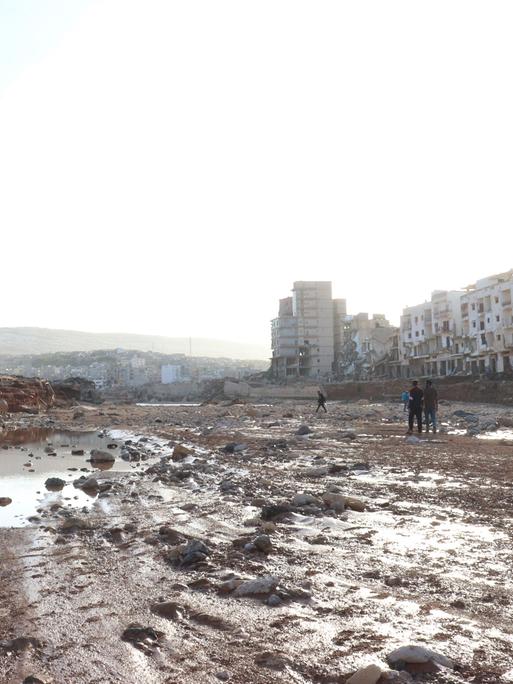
<point x="256" y="543"/>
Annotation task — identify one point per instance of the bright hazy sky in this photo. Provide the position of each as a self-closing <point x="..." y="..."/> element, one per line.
<point x="172" y="167"/>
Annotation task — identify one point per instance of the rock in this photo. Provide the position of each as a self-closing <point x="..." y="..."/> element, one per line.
<point x="171" y="536"/>
<point x="354" y="504"/>
<point x="314" y="471"/>
<point x="25" y="395"/>
<point x="4" y="407"/>
<point x="274" y="510"/>
<point x="88" y="484"/>
<point x="20" y="644"/>
<point x="192" y="553"/>
<point x="263" y="543"/>
<point x="180" y="451"/>
<point x="229" y="585"/>
<point x="140" y="636"/>
<point x="77" y="452"/>
<point x="33" y="680"/>
<point x="5" y="501"/>
<point x="395" y="677"/>
<point x="274" y="600"/>
<point x="303" y="430"/>
<point x="168" y="609"/>
<point x="366" y="675"/>
<point x="411" y="439"/>
<point x="98" y="456"/>
<point x="418" y="654"/>
<point x="223" y="676"/>
<point x="54" y="483"/>
<point x="269" y="527"/>
<point x="304" y="500"/>
<point x="74" y="524"/>
<point x="261" y="585"/>
<point x="335" y="501"/>
<point x="275" y="661"/>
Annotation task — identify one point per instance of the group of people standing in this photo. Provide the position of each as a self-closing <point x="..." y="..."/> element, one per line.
<point x="418" y="402"/>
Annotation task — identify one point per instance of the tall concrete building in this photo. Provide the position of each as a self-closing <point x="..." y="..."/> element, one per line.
<point x="303" y="333"/>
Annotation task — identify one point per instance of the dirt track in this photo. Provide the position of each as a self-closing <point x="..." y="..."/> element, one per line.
<point x="427" y="562"/>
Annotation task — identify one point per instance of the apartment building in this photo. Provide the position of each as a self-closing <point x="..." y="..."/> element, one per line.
<point x="466" y="331"/>
<point x="303" y="334"/>
<point x="430" y="334"/>
<point x="487" y="329"/>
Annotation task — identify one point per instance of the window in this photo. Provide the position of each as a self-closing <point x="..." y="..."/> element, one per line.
<point x="416" y="333"/>
<point x="422" y="332"/>
<point x="409" y="336"/>
<point x="473" y="324"/>
<point x="488" y="319"/>
<point x="473" y="307"/>
<point x="416" y="319"/>
<point x="483" y="339"/>
<point x="481" y="325"/>
<point x="447" y="342"/>
<point x="496" y="300"/>
<point x="497" y="318"/>
<point x="498" y="337"/>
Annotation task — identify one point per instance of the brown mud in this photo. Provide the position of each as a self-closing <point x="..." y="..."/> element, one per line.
<point x="427" y="562"/>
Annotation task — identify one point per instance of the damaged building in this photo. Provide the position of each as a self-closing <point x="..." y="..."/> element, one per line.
<point x="460" y="332"/>
<point x="314" y="337"/>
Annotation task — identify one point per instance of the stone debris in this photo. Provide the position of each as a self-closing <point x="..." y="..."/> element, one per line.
<point x="417" y="655"/>
<point x="99" y="456"/>
<point x="366" y="675"/>
<point x="257" y="587"/>
<point x="5" y="500"/>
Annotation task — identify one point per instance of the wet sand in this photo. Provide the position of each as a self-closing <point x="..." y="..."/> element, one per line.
<point x="428" y="561"/>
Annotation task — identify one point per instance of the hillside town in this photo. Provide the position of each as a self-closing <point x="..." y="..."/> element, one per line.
<point x="457" y="332"/>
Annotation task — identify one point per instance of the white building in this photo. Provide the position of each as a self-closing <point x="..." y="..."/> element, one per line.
<point x="170" y="373"/>
<point x="487" y="336"/>
<point x="430" y="334"/>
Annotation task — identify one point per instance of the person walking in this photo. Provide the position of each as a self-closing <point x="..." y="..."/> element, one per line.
<point x="430" y="405"/>
<point x="415" y="407"/>
<point x="405" y="398"/>
<point x="321" y="401"/>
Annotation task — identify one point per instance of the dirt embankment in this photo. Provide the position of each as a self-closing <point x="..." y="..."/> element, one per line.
<point x="267" y="544"/>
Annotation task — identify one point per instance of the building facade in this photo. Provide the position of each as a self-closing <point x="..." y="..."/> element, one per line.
<point x="460" y="332"/>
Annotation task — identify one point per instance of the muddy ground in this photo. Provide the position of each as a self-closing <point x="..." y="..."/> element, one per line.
<point x="427" y="562"/>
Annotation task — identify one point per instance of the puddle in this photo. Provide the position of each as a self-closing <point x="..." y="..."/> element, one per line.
<point x="27" y="453"/>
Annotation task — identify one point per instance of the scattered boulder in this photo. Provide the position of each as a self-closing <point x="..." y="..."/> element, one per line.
<point x="180" y="451"/>
<point x="304" y="499"/>
<point x="355" y="504"/>
<point x="143" y="638"/>
<point x="366" y="675"/>
<point x="259" y="586"/>
<point x="168" y="609"/>
<point x="77" y="452"/>
<point x="88" y="484"/>
<point x="274" y="510"/>
<point x="99" y="456"/>
<point x="192" y="553"/>
<point x="417" y="655"/>
<point x="304" y="430"/>
<point x="54" y="483"/>
<point x="5" y="501"/>
<point x="336" y="501"/>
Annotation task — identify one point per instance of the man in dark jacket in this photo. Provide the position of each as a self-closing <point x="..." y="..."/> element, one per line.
<point x="321" y="402"/>
<point x="415" y="407"/>
<point x="430" y="405"/>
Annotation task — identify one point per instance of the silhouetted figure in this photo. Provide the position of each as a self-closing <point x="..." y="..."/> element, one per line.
<point x="321" y="401"/>
<point x="415" y="406"/>
<point x="430" y="405"/>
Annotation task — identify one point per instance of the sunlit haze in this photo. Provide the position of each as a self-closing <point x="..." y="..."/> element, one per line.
<point x="172" y="167"/>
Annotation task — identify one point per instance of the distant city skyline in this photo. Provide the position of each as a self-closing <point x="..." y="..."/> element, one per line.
<point x="179" y="177"/>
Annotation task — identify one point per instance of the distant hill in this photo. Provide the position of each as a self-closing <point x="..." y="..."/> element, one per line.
<point x="15" y="341"/>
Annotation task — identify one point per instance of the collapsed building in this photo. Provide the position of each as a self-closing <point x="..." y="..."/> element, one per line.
<point x="314" y="337"/>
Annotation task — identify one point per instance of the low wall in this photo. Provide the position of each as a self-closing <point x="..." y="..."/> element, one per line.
<point x="453" y="389"/>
